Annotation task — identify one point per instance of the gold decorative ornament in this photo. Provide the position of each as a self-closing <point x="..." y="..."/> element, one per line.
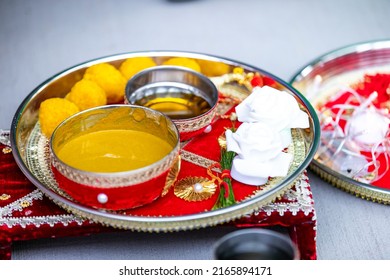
<point x="7" y="150"/>
<point x="25" y="203"/>
<point x="172" y="176"/>
<point x="195" y="188"/>
<point x="222" y="141"/>
<point x="197" y="159"/>
<point x="239" y="78"/>
<point x="5" y="196"/>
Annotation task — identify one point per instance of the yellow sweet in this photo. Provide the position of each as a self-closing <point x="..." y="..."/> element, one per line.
<point x="213" y="68"/>
<point x="109" y="79"/>
<point x="87" y="94"/>
<point x="133" y="65"/>
<point x="184" y="62"/>
<point x="53" y="111"/>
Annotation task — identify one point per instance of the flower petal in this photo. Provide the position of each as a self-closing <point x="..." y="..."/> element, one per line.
<point x="253" y="172"/>
<point x="301" y="120"/>
<point x="285" y="135"/>
<point x="231" y="143"/>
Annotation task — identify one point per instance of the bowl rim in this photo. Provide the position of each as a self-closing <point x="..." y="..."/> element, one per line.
<point x="167" y="223"/>
<point x="263" y="232"/>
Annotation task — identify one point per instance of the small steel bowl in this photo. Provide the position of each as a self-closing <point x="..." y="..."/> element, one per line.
<point x="122" y="189"/>
<point x="187" y="97"/>
<point x="255" y="244"/>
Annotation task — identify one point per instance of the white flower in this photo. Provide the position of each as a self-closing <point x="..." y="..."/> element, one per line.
<point x="256" y="173"/>
<point x="259" y="153"/>
<point x="277" y="109"/>
<point x="367" y="128"/>
<point x="255" y="139"/>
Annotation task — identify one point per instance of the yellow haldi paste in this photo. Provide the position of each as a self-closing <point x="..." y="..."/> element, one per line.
<point x="113" y="150"/>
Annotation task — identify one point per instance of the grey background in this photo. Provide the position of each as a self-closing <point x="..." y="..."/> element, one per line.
<point x="42" y="37"/>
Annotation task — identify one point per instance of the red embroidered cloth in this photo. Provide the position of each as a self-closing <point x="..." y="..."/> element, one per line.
<point x="26" y="214"/>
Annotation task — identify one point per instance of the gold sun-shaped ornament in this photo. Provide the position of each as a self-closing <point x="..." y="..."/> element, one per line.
<point x="195" y="188"/>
